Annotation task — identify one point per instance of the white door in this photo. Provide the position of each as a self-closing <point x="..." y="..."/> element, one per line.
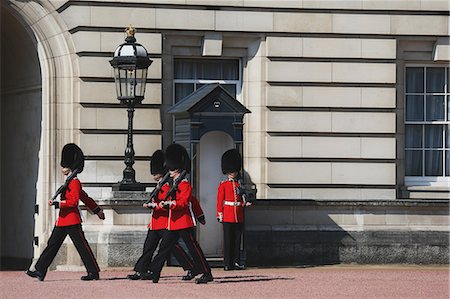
<point x="212" y="146"/>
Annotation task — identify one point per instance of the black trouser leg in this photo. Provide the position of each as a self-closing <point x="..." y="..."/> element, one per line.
<point x="53" y="244"/>
<point x="227" y="244"/>
<point x="200" y="263"/>
<point x="237" y="242"/>
<point x="182" y="257"/>
<point x="150" y="244"/>
<point x="167" y="243"/>
<point x="84" y="250"/>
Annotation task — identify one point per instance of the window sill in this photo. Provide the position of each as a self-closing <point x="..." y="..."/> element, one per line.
<point x="437" y="188"/>
<point x="427" y="182"/>
<point x="432" y="192"/>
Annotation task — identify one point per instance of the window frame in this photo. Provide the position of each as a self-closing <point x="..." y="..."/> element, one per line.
<point x="428" y="180"/>
<point x="238" y="82"/>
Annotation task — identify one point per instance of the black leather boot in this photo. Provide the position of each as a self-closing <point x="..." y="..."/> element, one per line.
<point x="205" y="278"/>
<point x="36" y="274"/>
<point x="147" y="276"/>
<point x="189" y="275"/>
<point x="90" y="276"/>
<point x="155" y="277"/>
<point x="135" y="276"/>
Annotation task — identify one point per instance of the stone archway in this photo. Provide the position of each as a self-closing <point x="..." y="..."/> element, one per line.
<point x="212" y="145"/>
<point x="52" y="43"/>
<point x="20" y="132"/>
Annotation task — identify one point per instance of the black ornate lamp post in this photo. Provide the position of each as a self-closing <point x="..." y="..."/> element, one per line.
<point x="130" y="65"/>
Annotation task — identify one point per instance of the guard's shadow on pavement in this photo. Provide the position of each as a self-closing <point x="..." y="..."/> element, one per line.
<point x="115" y="278"/>
<point x="222" y="279"/>
<point x="248" y="278"/>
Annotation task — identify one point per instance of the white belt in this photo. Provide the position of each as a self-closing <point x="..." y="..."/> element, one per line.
<point x="232" y="203"/>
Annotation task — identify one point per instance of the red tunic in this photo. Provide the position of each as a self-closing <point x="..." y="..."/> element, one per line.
<point x="159" y="216"/>
<point x="230" y="205"/>
<point x="179" y="213"/>
<point x="69" y="214"/>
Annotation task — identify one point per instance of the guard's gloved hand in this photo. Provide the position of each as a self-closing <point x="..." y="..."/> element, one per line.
<point x="100" y="214"/>
<point x="54" y="203"/>
<point x="167" y="204"/>
<point x="202" y="219"/>
<point x="150" y="205"/>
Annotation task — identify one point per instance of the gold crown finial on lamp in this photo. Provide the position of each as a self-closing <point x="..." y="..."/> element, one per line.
<point x="130" y="31"/>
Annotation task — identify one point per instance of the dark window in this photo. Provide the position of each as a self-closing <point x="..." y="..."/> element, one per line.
<point x="191" y="74"/>
<point x="427" y="114"/>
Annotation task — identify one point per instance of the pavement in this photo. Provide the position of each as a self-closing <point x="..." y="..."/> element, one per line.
<point x="339" y="281"/>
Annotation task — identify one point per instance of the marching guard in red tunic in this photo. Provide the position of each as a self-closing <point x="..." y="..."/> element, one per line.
<point x="181" y="222"/>
<point x="158" y="224"/>
<point x="69" y="220"/>
<point x="230" y="209"/>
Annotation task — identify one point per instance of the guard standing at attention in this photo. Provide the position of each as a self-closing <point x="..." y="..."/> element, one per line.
<point x="69" y="220"/>
<point x="230" y="209"/>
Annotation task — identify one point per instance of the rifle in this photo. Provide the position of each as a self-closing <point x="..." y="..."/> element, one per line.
<point x="241" y="191"/>
<point x="175" y="184"/>
<point x="246" y="196"/>
<point x="64" y="186"/>
<point x="158" y="187"/>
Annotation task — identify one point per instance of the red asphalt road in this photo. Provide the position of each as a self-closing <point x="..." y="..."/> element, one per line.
<point x="339" y="281"/>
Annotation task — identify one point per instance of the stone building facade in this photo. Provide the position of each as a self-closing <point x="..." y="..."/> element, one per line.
<point x="347" y="141"/>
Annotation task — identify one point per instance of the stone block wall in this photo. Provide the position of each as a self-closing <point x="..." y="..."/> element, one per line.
<point x="319" y="233"/>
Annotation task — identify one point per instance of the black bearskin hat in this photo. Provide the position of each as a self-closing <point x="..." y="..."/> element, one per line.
<point x="177" y="158"/>
<point x="157" y="163"/>
<point x="231" y="161"/>
<point x="72" y="157"/>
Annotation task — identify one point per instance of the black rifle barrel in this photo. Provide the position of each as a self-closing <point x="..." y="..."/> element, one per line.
<point x="175" y="184"/>
<point x="158" y="187"/>
<point x="64" y="186"/>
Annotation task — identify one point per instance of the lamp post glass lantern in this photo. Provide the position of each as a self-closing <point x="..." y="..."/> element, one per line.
<point x="130" y="63"/>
